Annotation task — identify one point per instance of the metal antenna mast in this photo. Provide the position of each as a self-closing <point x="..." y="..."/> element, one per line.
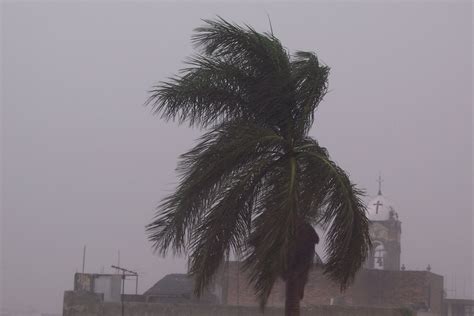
<point x="126" y="273"/>
<point x="83" y="259"/>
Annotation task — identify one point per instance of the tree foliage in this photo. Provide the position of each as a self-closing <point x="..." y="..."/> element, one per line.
<point x="255" y="177"/>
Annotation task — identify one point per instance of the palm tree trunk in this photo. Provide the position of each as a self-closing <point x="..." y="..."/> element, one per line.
<point x="292" y="296"/>
<point x="300" y="263"/>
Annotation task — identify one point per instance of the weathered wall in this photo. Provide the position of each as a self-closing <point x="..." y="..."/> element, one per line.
<point x="108" y="284"/>
<point x="82" y="303"/>
<point x="417" y="289"/>
<point x="435" y="287"/>
<point x="388" y="234"/>
<point x="83" y="282"/>
<point x="427" y="314"/>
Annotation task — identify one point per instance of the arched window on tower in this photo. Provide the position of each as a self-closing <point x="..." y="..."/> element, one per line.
<point x="379" y="256"/>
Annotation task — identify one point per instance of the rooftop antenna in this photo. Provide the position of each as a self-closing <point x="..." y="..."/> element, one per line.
<point x="83" y="258"/>
<point x="118" y="261"/>
<point x="270" y="22"/>
<point x="125" y="273"/>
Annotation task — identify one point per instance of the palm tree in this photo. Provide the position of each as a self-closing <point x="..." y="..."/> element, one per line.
<point x="256" y="183"/>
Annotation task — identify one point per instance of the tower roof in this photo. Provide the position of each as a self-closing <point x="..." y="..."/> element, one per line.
<point x="380" y="208"/>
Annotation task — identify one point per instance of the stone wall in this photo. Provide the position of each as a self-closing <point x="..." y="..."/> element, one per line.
<point x="81" y="303"/>
<point x="108" y="284"/>
<point x="414" y="289"/>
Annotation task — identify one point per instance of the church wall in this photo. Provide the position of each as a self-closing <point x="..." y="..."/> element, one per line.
<point x="436" y="291"/>
<point x="318" y="291"/>
<point x="386" y="233"/>
<point x="82" y="303"/>
<point x="236" y="290"/>
<point x="417" y="289"/>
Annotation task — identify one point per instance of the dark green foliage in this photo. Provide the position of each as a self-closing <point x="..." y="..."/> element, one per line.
<point x="256" y="177"/>
<point x="405" y="311"/>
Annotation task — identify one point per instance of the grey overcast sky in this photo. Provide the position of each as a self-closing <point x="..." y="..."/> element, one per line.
<point x="83" y="162"/>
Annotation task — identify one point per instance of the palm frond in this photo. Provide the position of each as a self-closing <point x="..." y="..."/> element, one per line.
<point x="255" y="181"/>
<point x="205" y="172"/>
<point x="257" y="51"/>
<point x="227" y="224"/>
<point x="343" y="213"/>
<point x="310" y="80"/>
<point x="259" y="54"/>
<point x="273" y="231"/>
<point x="209" y="91"/>
<point x="240" y="74"/>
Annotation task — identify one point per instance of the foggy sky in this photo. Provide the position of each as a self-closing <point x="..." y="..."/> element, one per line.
<point x="83" y="162"/>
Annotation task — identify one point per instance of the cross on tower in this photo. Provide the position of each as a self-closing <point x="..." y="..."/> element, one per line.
<point x="379" y="180"/>
<point x="377" y="206"/>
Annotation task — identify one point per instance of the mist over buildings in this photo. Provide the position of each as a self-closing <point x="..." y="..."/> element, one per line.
<point x="85" y="163"/>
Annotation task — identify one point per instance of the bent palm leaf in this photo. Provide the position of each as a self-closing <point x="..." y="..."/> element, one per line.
<point x="256" y="182"/>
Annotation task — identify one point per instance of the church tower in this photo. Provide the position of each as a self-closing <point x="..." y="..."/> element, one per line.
<point x="385" y="232"/>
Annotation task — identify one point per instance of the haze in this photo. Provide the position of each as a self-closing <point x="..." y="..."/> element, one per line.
<point x="84" y="163"/>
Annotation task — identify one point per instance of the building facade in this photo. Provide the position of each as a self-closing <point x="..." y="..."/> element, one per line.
<point x="417" y="290"/>
<point x="385" y="233"/>
<point x="382" y="281"/>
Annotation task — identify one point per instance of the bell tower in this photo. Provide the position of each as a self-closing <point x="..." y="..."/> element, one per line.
<point x="385" y="232"/>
